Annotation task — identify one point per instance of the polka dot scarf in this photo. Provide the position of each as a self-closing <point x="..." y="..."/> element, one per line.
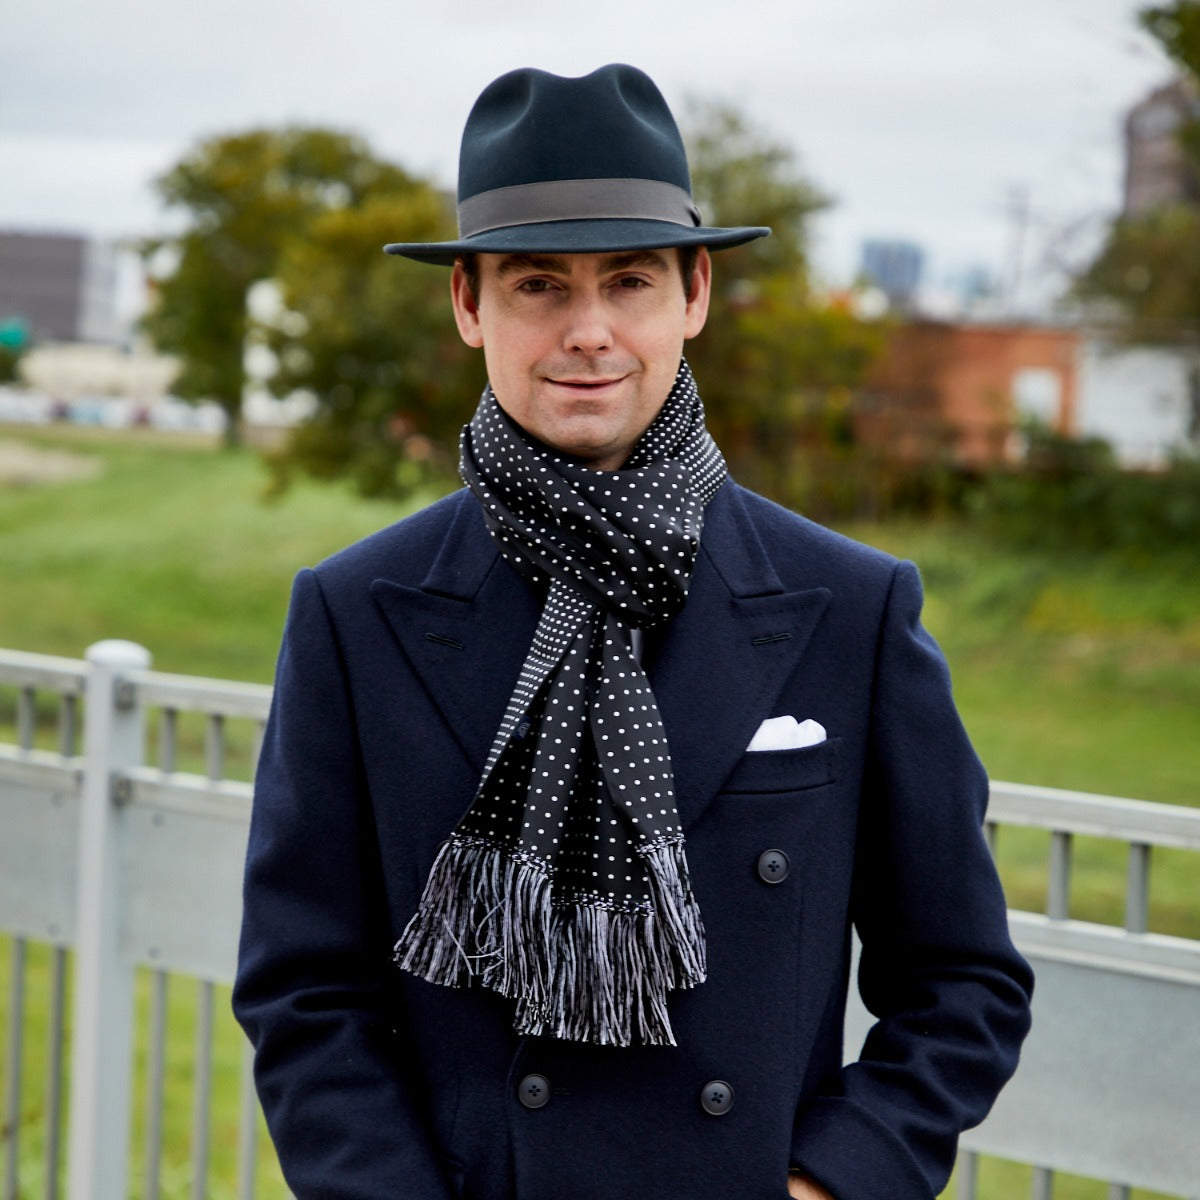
<point x="565" y="885"/>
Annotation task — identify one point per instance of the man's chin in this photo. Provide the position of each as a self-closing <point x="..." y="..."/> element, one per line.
<point x="597" y="452"/>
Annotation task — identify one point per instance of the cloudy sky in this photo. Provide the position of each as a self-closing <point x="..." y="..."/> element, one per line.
<point x="924" y="119"/>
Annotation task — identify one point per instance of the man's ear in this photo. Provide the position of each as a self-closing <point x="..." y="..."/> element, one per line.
<point x="698" y="293"/>
<point x="466" y="307"/>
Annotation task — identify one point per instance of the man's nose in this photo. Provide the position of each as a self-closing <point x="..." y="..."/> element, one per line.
<point x="588" y="329"/>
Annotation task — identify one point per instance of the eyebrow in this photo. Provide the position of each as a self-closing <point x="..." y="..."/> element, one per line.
<point x="513" y="264"/>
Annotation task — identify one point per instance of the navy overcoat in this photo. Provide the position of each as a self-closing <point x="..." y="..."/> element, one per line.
<point x="397" y="661"/>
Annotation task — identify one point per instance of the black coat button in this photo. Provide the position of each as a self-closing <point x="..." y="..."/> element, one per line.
<point x="716" y="1097"/>
<point x="772" y="866"/>
<point x="533" y="1091"/>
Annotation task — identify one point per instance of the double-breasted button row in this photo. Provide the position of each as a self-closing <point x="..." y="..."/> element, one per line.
<point x="716" y="1096"/>
<point x="773" y="866"/>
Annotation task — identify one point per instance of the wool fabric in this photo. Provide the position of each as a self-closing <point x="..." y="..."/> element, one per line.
<point x="565" y="885"/>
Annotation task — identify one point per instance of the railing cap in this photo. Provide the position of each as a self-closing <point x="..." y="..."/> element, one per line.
<point x="118" y="654"/>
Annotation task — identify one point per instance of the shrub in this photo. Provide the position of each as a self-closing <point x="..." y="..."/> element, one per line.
<point x="1071" y="495"/>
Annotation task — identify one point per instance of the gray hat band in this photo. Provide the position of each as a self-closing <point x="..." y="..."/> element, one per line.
<point x="576" y="200"/>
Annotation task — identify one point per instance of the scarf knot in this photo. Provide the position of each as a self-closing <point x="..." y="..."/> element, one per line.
<point x="565" y="885"/>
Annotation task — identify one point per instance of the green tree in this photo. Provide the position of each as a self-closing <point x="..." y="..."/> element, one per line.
<point x="1176" y="27"/>
<point x="777" y="361"/>
<point x="740" y="176"/>
<point x="372" y="340"/>
<point x="245" y="197"/>
<point x="1148" y="270"/>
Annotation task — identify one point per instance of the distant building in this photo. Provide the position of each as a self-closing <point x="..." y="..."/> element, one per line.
<point x="956" y="392"/>
<point x="894" y="267"/>
<point x="71" y="371"/>
<point x="59" y="286"/>
<point x="1157" y="172"/>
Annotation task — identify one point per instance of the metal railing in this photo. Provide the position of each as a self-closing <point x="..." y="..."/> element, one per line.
<point x="1122" y="1003"/>
<point x="127" y="872"/>
<point x="120" y="872"/>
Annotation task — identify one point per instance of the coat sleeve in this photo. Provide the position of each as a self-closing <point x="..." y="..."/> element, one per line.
<point x="938" y="971"/>
<point x="311" y="988"/>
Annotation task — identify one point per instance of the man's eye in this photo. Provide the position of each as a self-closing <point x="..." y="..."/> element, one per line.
<point x="534" y="285"/>
<point x="632" y="281"/>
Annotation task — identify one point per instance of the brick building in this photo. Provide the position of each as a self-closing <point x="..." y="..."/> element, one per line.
<point x="957" y="392"/>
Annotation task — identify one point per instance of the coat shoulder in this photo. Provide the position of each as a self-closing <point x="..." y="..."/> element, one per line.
<point x="403" y="551"/>
<point x="807" y="554"/>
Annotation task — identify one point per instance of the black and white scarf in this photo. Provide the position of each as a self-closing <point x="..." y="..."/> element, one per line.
<point x="565" y="885"/>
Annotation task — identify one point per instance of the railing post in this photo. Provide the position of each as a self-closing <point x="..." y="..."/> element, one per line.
<point x="101" y="1059"/>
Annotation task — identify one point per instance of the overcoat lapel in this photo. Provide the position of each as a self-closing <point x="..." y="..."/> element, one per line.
<point x="466" y="629"/>
<point x="726" y="657"/>
<point x="716" y="674"/>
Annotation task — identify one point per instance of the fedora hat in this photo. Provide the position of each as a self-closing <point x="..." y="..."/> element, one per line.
<point x="556" y="165"/>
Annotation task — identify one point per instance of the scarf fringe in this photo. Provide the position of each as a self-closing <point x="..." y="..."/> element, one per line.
<point x="679" y="930"/>
<point x="579" y="972"/>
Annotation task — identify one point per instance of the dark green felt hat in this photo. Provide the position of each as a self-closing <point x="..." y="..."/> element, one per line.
<point x="554" y="165"/>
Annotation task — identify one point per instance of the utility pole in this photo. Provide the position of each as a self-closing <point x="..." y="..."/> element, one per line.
<point x="1017" y="210"/>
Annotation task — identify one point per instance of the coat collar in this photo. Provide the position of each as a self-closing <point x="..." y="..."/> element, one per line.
<point x="466" y="629"/>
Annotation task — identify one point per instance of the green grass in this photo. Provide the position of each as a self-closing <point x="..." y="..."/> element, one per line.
<point x="1069" y="672"/>
<point x="172" y="545"/>
<point x="1079" y="672"/>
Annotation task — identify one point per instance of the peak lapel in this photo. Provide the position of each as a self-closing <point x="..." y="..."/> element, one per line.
<point x="465" y="630"/>
<point x="728" y="655"/>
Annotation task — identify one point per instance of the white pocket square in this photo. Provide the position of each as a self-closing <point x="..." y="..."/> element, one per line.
<point x="786" y="733"/>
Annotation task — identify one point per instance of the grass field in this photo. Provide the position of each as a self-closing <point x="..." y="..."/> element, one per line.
<point x="1071" y="672"/>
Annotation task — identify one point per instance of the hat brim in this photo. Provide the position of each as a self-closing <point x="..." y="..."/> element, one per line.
<point x="579" y="237"/>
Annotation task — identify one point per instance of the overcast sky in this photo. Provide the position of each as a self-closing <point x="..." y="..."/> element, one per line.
<point x="920" y="117"/>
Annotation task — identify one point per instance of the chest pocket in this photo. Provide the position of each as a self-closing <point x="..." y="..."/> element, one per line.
<point x="773" y="771"/>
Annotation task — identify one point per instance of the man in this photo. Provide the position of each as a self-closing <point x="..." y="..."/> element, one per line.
<point x="576" y="783"/>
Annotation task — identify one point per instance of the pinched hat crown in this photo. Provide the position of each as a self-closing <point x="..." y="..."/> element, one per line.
<point x="560" y="165"/>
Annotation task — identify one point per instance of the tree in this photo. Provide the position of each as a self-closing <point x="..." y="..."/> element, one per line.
<point x="246" y="196"/>
<point x="776" y="361"/>
<point x="741" y="177"/>
<point x="372" y="339"/>
<point x="1148" y="270"/>
<point x="1176" y="27"/>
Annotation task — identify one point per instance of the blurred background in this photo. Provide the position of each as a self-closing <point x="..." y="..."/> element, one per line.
<point x="974" y="339"/>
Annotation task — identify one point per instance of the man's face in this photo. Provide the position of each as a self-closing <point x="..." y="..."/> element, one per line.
<point x="582" y="349"/>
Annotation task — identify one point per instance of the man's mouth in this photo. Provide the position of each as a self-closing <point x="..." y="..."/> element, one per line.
<point x="587" y="385"/>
